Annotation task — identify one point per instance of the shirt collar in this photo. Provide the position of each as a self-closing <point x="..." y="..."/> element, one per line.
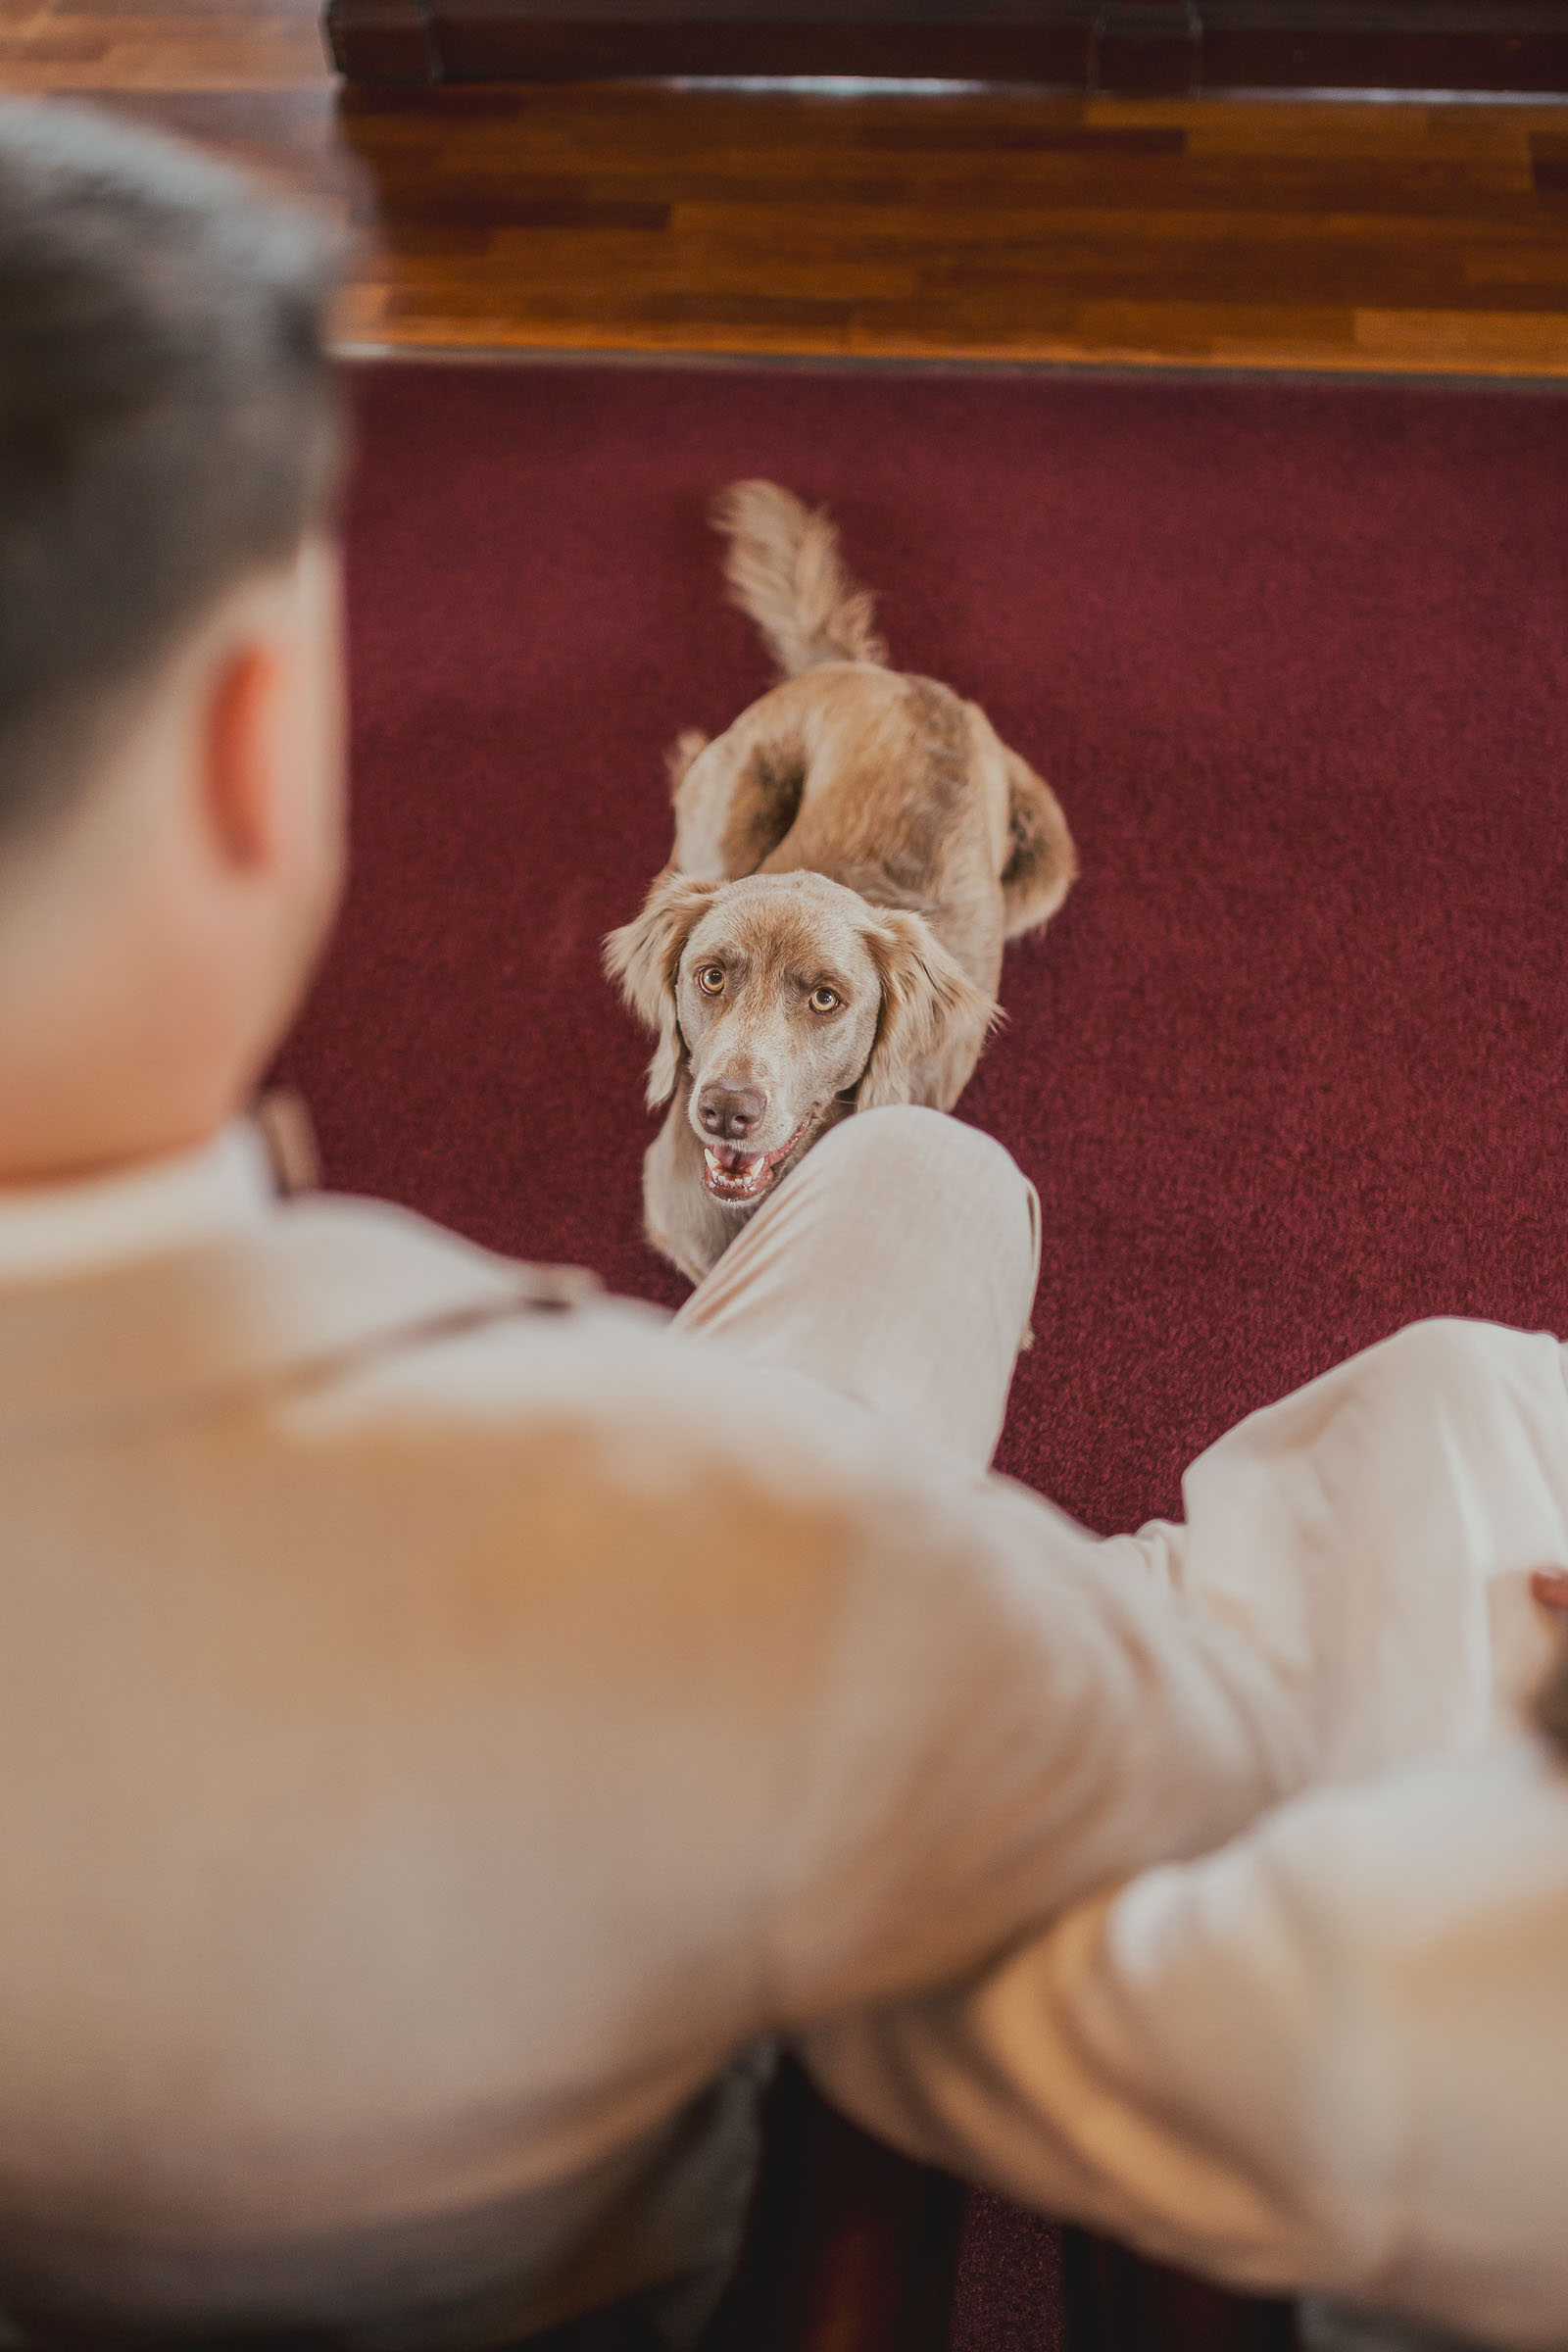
<point x="85" y="1227"/>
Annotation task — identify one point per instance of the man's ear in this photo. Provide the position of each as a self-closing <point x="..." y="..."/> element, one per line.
<point x="272" y="719"/>
<point x="246" y="763"/>
<point x="645" y="955"/>
<point x="929" y="1006"/>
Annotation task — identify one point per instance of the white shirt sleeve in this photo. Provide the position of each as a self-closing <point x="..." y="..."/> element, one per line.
<point x="1018" y="1713"/>
<point x="1332" y="2056"/>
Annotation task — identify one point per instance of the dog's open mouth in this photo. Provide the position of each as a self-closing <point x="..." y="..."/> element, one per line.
<point x="738" y="1178"/>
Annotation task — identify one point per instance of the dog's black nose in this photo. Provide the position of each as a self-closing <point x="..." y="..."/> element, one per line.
<point x="730" y="1113"/>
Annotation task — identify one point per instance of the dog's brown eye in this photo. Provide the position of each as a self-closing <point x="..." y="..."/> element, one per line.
<point x="711" y="979"/>
<point x="824" y="1000"/>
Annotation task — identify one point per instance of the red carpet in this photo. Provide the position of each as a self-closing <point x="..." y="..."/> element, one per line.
<point x="1288" y="1071"/>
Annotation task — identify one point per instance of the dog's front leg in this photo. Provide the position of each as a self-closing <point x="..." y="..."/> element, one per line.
<point x="682" y="1221"/>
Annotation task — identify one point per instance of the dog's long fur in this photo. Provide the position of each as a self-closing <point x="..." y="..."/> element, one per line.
<point x="890" y="786"/>
<point x="784" y="569"/>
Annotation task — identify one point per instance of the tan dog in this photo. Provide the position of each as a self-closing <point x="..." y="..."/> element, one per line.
<point x="849" y="858"/>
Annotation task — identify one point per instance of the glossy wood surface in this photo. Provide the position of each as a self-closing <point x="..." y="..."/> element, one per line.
<point x="1146" y="48"/>
<point x="620" y="217"/>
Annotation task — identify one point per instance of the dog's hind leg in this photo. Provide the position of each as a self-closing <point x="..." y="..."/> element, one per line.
<point x="1041" y="862"/>
<point x="682" y="756"/>
<point x="737" y="798"/>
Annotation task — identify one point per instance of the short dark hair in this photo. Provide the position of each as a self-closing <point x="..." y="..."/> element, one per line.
<point x="169" y="415"/>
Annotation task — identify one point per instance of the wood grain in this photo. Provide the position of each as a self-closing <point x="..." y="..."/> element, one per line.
<point x="1135" y="48"/>
<point x="998" y="226"/>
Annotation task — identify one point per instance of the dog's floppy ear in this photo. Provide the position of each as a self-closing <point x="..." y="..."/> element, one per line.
<point x="929" y="1006"/>
<point x="645" y="955"/>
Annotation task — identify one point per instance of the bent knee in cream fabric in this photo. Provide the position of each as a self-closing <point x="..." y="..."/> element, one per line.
<point x="1399" y="1501"/>
<point x="896" y="1267"/>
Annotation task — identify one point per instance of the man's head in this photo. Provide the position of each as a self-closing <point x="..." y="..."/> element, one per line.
<point x="169" y="759"/>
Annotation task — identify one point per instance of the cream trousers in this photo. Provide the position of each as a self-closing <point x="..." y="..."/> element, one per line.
<point x="896" y="1267"/>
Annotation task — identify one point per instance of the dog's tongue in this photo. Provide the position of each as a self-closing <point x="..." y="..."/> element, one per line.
<point x="741" y="1176"/>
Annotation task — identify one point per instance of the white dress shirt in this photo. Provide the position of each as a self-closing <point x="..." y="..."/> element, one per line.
<point x="1334" y="2054"/>
<point x="437" y="1737"/>
<point x="83" y="1227"/>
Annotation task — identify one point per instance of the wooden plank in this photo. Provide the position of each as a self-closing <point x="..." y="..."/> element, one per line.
<point x="1149" y="46"/>
<point x="383" y="41"/>
<point x="994" y="226"/>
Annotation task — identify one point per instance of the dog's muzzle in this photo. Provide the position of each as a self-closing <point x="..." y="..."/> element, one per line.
<point x="737" y="1178"/>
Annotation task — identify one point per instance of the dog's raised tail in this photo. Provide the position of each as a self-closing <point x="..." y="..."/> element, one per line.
<point x="785" y="569"/>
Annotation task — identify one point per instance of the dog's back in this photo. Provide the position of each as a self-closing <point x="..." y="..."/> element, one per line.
<point x="889" y="782"/>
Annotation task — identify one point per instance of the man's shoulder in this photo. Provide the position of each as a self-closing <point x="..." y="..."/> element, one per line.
<point x="316" y="1290"/>
<point x="533" y="1378"/>
<point x="354" y="1242"/>
<point x="347" y="1388"/>
<point x="372" y="1425"/>
<point x="349" y="1348"/>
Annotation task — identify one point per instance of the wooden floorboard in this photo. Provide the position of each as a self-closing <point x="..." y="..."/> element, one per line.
<point x="1011" y="226"/>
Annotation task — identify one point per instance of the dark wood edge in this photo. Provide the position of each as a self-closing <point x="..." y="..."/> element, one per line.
<point x="382" y="41"/>
<point x="1210" y="46"/>
<point x="480" y="49"/>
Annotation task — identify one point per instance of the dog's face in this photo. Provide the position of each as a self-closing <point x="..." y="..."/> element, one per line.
<point x="788" y="999"/>
<point x="777" y="999"/>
